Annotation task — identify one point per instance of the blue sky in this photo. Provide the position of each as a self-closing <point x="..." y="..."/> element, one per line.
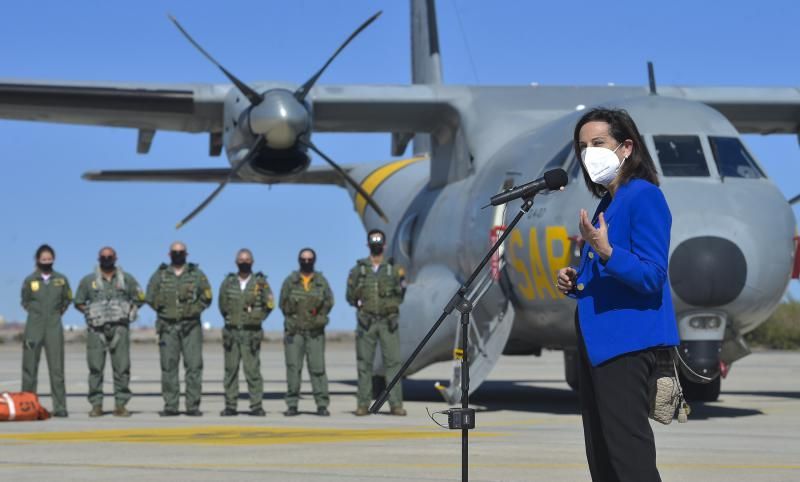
<point x="43" y="199"/>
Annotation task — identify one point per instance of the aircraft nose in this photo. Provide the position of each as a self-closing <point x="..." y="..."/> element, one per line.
<point x="708" y="271"/>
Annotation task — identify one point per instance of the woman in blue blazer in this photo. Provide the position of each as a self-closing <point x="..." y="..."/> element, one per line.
<point x="625" y="312"/>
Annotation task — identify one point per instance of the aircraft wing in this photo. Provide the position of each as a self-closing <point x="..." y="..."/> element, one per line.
<point x="313" y="175"/>
<point x="752" y="110"/>
<point x="173" y="107"/>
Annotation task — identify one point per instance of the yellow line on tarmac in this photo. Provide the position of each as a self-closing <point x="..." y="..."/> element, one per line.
<point x="226" y="435"/>
<point x="405" y="465"/>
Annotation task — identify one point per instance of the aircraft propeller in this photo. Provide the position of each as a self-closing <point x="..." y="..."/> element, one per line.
<point x="795" y="199"/>
<point x="281" y="133"/>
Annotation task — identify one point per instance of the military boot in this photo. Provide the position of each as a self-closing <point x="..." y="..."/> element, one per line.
<point x="361" y="411"/>
<point x="121" y="411"/>
<point x="398" y="411"/>
<point x="96" y="411"/>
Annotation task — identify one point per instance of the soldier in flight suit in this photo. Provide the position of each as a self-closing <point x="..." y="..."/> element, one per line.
<point x="306" y="300"/>
<point x="110" y="299"/>
<point x="245" y="301"/>
<point x="376" y="288"/>
<point x="45" y="296"/>
<point x="179" y="293"/>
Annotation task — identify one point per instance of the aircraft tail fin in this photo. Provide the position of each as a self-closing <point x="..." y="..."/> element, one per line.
<point x="426" y="64"/>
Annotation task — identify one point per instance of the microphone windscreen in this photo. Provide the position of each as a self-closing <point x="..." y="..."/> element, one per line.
<point x="555" y="179"/>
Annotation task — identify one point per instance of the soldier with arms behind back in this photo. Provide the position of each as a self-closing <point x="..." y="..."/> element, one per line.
<point x="245" y="301"/>
<point x="179" y="293"/>
<point x="110" y="299"/>
<point x="306" y="300"/>
<point x="376" y="288"/>
<point x="45" y="296"/>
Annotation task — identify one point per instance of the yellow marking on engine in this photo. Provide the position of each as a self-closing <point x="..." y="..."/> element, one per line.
<point x="233" y="435"/>
<point x="372" y="182"/>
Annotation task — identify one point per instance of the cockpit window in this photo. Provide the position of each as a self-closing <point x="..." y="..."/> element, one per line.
<point x="732" y="158"/>
<point x="559" y="159"/>
<point x="681" y="156"/>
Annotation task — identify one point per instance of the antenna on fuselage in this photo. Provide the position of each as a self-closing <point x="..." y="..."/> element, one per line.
<point x="651" y="76"/>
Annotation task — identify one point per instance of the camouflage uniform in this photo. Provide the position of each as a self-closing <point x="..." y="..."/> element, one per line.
<point x="305" y="302"/>
<point x="178" y="302"/>
<point x="244" y="311"/>
<point x="45" y="301"/>
<point x="109" y="307"/>
<point x="377" y="295"/>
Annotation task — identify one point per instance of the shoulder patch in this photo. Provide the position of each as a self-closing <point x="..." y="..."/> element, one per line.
<point x="207" y="292"/>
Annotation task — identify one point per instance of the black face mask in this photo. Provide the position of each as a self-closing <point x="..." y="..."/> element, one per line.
<point x="45" y="267"/>
<point x="376" y="249"/>
<point x="106" y="263"/>
<point x="178" y="257"/>
<point x="306" y="266"/>
<point x="245" y="268"/>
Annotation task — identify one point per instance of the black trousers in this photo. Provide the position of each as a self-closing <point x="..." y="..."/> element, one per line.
<point x="615" y="406"/>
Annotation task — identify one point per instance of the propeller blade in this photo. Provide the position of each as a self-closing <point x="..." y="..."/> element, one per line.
<point x="233" y="173"/>
<point x="795" y="199"/>
<point x="301" y="93"/>
<point x="254" y="97"/>
<point x="347" y="178"/>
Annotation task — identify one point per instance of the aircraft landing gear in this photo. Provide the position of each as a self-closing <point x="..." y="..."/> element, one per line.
<point x="700" y="392"/>
<point x="571" y="368"/>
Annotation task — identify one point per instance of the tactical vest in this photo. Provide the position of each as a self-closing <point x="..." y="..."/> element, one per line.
<point x="380" y="292"/>
<point x="176" y="294"/>
<point x="306" y="310"/>
<point x="109" y="304"/>
<point x="249" y="307"/>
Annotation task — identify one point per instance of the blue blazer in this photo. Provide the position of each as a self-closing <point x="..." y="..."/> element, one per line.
<point x="625" y="304"/>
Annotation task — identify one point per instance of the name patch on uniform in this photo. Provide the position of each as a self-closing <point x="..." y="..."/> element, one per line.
<point x="34" y="286"/>
<point x="58" y="282"/>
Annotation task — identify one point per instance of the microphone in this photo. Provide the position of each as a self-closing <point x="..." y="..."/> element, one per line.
<point x="552" y="180"/>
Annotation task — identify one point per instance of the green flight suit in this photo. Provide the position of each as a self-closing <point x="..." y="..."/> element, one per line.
<point x="305" y="306"/>
<point x="45" y="301"/>
<point x="377" y="295"/>
<point x="178" y="302"/>
<point x="109" y="307"/>
<point x="244" y="310"/>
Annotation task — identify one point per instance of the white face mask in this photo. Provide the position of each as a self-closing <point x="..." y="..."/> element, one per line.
<point x="601" y="163"/>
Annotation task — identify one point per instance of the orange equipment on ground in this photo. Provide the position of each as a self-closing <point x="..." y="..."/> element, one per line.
<point x="23" y="406"/>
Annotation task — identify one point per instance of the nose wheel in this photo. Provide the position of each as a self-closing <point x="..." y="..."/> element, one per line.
<point x="701" y="392"/>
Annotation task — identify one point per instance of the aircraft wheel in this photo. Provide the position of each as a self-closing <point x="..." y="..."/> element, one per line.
<point x="571" y="368"/>
<point x="700" y="392"/>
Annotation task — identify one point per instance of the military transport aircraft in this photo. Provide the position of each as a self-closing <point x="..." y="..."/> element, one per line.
<point x="732" y="239"/>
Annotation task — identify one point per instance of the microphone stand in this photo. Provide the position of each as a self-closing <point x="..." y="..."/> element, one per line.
<point x="458" y="302"/>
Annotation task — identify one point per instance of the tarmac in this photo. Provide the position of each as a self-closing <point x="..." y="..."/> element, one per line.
<point x="528" y="428"/>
